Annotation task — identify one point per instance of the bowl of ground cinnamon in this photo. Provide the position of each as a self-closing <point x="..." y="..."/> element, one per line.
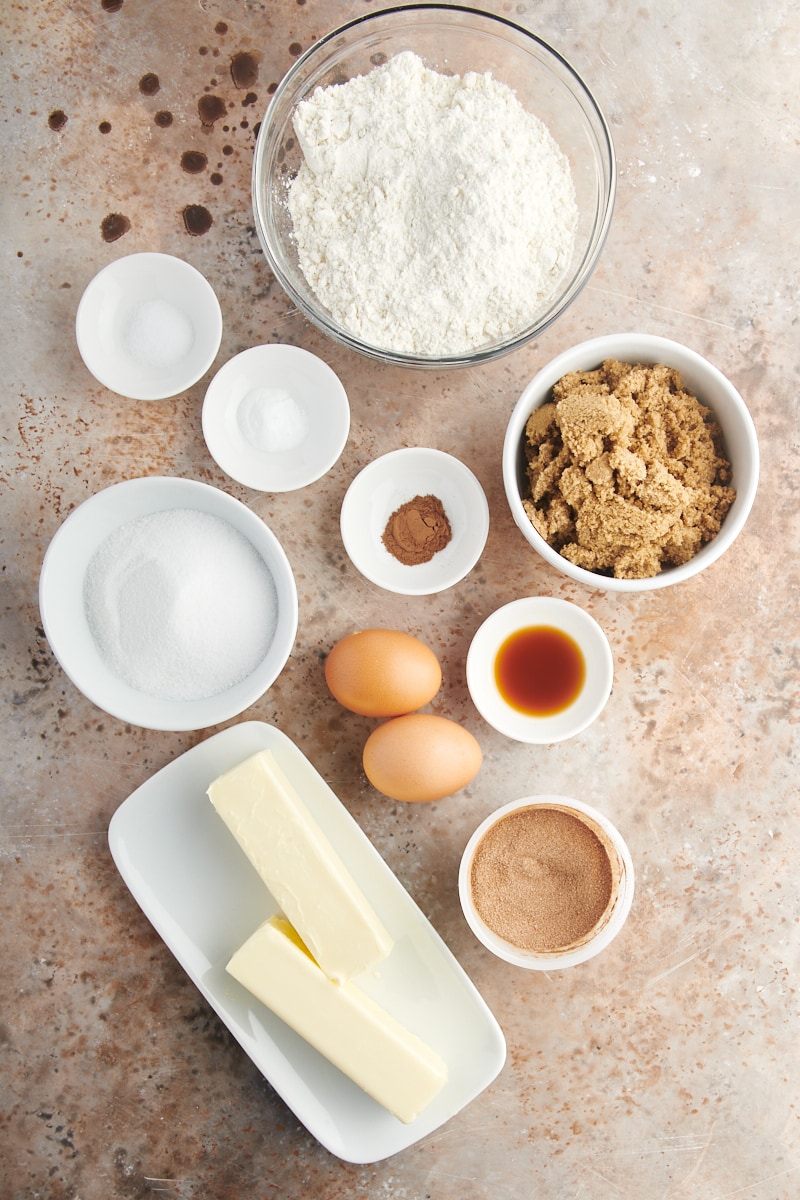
<point x="630" y="463"/>
<point x="415" y="521"/>
<point x="546" y="882"/>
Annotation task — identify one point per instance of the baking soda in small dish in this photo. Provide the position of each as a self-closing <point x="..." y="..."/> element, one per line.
<point x="180" y="604"/>
<point x="270" y="419"/>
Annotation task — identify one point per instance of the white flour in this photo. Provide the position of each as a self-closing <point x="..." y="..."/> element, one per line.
<point x="432" y="213"/>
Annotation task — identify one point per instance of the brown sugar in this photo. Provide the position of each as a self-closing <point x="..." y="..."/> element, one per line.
<point x="541" y="879"/>
<point x="625" y="470"/>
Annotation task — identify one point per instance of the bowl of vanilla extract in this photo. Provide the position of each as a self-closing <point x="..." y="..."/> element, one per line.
<point x="540" y="670"/>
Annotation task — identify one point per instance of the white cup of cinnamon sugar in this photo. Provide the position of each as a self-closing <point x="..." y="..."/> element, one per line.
<point x="546" y="882"/>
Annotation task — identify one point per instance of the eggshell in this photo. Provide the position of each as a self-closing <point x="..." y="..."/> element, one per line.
<point x="382" y="673"/>
<point x="421" y="756"/>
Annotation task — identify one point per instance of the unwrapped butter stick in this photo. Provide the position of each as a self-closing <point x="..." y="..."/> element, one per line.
<point x="305" y="875"/>
<point x="363" y="1040"/>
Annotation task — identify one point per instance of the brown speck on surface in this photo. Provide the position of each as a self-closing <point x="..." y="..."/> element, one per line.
<point x="197" y="219"/>
<point x="221" y="28"/>
<point x="193" y="162"/>
<point x="57" y="119"/>
<point x="210" y="108"/>
<point x="114" y="226"/>
<point x="216" y="178"/>
<point x="295" y="48"/>
<point x="163" y="119"/>
<point x="111" y="5"/>
<point x="249" y="99"/>
<point x="149" y="84"/>
<point x="104" y="127"/>
<point x="244" y="68"/>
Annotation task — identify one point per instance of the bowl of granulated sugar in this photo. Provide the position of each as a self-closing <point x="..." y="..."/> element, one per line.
<point x="432" y="185"/>
<point x="168" y="603"/>
<point x="148" y="326"/>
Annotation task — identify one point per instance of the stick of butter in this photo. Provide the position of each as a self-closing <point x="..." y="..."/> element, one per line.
<point x="359" y="1037"/>
<point x="308" y="880"/>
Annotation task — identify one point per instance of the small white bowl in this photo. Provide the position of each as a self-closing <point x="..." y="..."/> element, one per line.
<point x="710" y="387"/>
<point x="531" y="612"/>
<point x="148" y="326"/>
<point x="385" y="485"/>
<point x="276" y="418"/>
<point x="64" y="614"/>
<point x="606" y="929"/>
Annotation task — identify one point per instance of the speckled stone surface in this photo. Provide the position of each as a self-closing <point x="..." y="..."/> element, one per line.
<point x="668" y="1067"/>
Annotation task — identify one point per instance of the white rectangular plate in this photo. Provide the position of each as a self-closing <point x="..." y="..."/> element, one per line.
<point x="195" y="885"/>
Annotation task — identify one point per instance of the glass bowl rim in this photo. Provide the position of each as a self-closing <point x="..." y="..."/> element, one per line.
<point x="571" y="286"/>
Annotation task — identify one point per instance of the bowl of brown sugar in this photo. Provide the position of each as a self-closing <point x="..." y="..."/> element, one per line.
<point x="546" y="882"/>
<point x="630" y="463"/>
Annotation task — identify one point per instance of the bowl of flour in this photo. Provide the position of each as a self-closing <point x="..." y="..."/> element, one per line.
<point x="168" y="603"/>
<point x="432" y="186"/>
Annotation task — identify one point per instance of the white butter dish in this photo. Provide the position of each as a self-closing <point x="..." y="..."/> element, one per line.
<point x="189" y="877"/>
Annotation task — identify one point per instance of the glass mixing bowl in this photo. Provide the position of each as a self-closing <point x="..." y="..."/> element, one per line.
<point x="450" y="40"/>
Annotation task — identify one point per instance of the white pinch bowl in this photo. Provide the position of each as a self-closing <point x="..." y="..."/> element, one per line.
<point x="148" y="326"/>
<point x="63" y="612"/>
<point x="275" y="376"/>
<point x="612" y="921"/>
<point x="389" y="482"/>
<point x="704" y="381"/>
<point x="527" y="612"/>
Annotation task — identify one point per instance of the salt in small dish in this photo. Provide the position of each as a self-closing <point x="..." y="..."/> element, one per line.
<point x="148" y="326"/>
<point x="389" y="482"/>
<point x="584" y="641"/>
<point x="592" y="899"/>
<point x="66" y="620"/>
<point x="276" y="418"/>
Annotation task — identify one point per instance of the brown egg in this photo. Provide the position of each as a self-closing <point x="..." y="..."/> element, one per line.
<point x="421" y="756"/>
<point x="382" y="673"/>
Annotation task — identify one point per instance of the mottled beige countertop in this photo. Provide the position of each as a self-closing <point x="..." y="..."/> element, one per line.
<point x="668" y="1067"/>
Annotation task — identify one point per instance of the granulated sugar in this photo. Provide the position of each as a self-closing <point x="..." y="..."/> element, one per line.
<point x="180" y="604"/>
<point x="432" y="213"/>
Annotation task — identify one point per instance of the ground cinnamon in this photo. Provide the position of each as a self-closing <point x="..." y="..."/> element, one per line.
<point x="417" y="530"/>
<point x="542" y="879"/>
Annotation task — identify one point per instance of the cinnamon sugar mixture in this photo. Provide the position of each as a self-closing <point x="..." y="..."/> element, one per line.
<point x="541" y="879"/>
